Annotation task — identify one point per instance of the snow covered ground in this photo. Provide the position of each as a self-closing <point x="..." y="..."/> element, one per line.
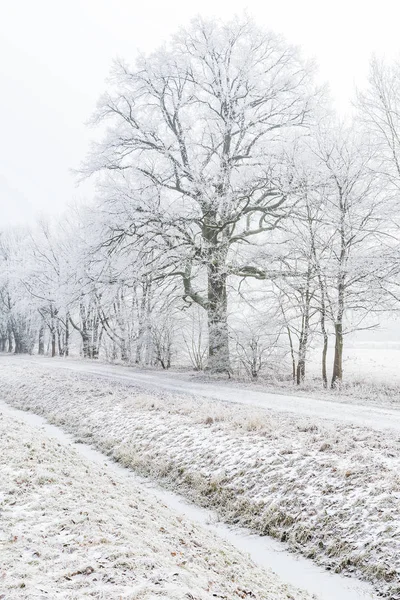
<point x="330" y="489"/>
<point x="335" y="407"/>
<point x="368" y="360"/>
<point x="69" y="529"/>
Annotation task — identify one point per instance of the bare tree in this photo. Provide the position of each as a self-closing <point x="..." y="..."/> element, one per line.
<point x="379" y="114"/>
<point x="194" y="341"/>
<point x="194" y="148"/>
<point x="18" y="319"/>
<point x="349" y="271"/>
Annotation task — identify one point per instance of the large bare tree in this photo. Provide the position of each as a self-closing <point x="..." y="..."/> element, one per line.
<point x="194" y="146"/>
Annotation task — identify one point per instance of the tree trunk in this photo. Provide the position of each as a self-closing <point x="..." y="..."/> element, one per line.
<point x="53" y="343"/>
<point x="337" y="375"/>
<point x="303" y="342"/>
<point x="53" y="331"/>
<point x="119" y="310"/>
<point x="66" y="347"/>
<point x="96" y="335"/>
<point x="41" y="340"/>
<point x="60" y="341"/>
<point x="324" y="333"/>
<point x="95" y="349"/>
<point x="324" y="352"/>
<point x="17" y="344"/>
<point x="124" y="351"/>
<point x="301" y="371"/>
<point x="305" y="329"/>
<point x="218" y="335"/>
<point x="143" y="345"/>
<point x="83" y="330"/>
<point x="85" y="346"/>
<point x="291" y="352"/>
<point x="10" y="340"/>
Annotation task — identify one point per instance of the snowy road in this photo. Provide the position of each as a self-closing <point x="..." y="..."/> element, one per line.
<point x="368" y="416"/>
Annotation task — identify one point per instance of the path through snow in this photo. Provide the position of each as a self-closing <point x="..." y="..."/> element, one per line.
<point x="373" y="417"/>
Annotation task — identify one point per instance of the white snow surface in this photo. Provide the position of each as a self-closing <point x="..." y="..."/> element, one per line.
<point x="70" y="529"/>
<point x="331" y="489"/>
<point x="375" y="417"/>
<point x="264" y="550"/>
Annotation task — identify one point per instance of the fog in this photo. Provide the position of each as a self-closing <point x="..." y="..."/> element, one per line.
<point x="56" y="57"/>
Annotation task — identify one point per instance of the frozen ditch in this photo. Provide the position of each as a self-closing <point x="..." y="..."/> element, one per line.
<point x="264" y="551"/>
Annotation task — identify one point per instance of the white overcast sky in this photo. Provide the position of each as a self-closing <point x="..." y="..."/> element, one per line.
<point x="55" y="56"/>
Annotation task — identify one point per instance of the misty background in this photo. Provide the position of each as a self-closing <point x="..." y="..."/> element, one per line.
<point x="56" y="56"/>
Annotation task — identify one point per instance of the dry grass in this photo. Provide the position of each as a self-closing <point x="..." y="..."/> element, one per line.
<point x="117" y="541"/>
<point x="332" y="491"/>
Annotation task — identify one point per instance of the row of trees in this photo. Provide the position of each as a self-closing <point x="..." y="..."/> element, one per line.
<point x="237" y="221"/>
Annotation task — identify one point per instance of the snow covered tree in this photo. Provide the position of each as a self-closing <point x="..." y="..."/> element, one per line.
<point x="18" y="318"/>
<point x="46" y="280"/>
<point x="194" y="147"/>
<point x="349" y="268"/>
<point x="379" y="114"/>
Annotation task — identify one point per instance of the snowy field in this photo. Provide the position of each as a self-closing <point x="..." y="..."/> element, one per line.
<point x="331" y="490"/>
<point x="69" y="529"/>
<point x="366" y="362"/>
